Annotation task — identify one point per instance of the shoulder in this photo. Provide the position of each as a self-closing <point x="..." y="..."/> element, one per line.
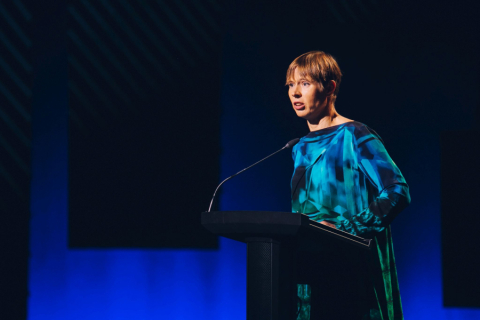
<point x="362" y="132"/>
<point x="298" y="147"/>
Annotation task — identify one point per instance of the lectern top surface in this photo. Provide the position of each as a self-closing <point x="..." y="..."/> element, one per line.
<point x="240" y="225"/>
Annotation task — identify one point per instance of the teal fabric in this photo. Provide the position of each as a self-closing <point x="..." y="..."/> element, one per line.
<point x="344" y="175"/>
<point x="304" y="293"/>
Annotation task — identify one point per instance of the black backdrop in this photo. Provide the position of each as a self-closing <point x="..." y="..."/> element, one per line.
<point x="144" y="80"/>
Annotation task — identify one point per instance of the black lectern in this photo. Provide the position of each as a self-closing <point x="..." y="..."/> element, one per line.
<point x="285" y="249"/>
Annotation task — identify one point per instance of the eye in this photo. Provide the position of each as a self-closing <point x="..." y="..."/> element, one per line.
<point x="290" y="85"/>
<point x="305" y="84"/>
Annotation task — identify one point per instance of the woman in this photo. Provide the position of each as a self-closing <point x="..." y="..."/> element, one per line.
<point x="343" y="176"/>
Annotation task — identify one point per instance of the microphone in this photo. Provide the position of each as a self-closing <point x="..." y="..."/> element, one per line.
<point x="289" y="144"/>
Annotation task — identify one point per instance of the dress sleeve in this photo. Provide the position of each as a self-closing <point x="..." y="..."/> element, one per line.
<point x="391" y="194"/>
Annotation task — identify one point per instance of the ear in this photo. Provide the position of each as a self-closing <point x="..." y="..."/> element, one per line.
<point x="330" y="88"/>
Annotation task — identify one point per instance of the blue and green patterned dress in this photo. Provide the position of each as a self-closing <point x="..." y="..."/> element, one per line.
<point x="344" y="175"/>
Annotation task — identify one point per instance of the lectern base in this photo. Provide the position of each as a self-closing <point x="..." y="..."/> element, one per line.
<point x="271" y="287"/>
<point x="341" y="288"/>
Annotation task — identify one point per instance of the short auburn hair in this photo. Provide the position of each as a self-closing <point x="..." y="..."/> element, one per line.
<point x="318" y="66"/>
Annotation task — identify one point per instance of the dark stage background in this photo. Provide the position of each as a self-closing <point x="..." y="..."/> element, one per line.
<point x="139" y="108"/>
<point x="144" y="103"/>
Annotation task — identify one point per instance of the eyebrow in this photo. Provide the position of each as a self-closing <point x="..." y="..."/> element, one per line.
<point x="301" y="79"/>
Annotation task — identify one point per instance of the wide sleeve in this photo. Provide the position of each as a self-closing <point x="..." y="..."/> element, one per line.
<point x="390" y="190"/>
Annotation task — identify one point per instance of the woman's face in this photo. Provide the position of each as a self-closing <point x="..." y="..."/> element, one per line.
<point x="308" y="97"/>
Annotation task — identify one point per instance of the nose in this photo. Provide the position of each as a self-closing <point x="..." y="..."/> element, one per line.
<point x="296" y="93"/>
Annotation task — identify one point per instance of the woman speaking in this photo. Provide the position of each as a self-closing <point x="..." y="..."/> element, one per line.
<point x="344" y="178"/>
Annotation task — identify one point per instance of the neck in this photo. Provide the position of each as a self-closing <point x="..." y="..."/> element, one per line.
<point x="329" y="118"/>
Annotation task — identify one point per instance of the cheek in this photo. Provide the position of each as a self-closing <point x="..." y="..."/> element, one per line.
<point x="317" y="97"/>
<point x="311" y="97"/>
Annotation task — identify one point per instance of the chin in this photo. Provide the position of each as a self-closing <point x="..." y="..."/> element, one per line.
<point x="301" y="114"/>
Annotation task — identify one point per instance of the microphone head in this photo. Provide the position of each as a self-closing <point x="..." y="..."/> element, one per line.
<point x="291" y="143"/>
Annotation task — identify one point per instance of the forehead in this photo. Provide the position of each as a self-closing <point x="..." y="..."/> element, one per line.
<point x="299" y="73"/>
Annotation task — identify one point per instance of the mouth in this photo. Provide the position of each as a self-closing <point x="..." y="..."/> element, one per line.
<point x="299" y="105"/>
